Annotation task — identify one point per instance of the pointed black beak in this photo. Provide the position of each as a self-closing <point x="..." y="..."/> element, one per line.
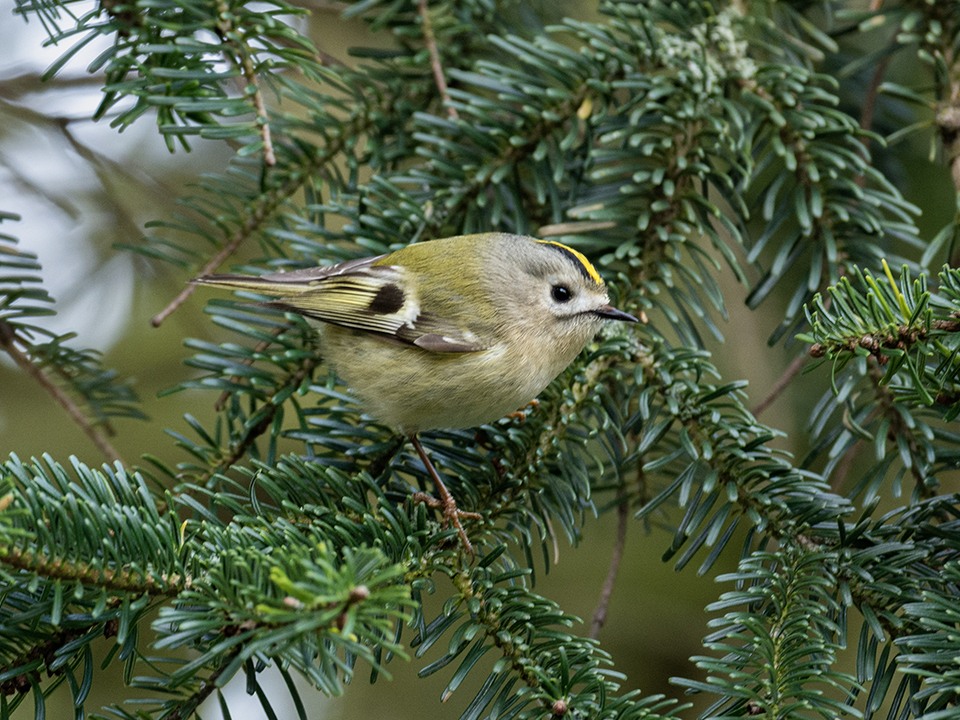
<point x="611" y="313"/>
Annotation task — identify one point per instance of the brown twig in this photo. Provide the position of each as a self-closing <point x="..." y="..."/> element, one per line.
<point x="119" y="579"/>
<point x="250" y="75"/>
<point x="8" y="341"/>
<point x="431" y="41"/>
<point x="843" y="467"/>
<point x="228" y="37"/>
<point x="870" y="98"/>
<point x="623" y="515"/>
<point x="226" y="251"/>
<point x="266" y="204"/>
<point x="789" y="374"/>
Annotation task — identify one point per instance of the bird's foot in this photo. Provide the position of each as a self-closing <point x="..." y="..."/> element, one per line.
<point x="451" y="514"/>
<point x="521" y="414"/>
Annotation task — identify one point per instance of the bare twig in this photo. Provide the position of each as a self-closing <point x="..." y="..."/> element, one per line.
<point x="623" y="515"/>
<point x="225" y="252"/>
<point x="431" y="41"/>
<point x="870" y="98"/>
<point x="843" y="467"/>
<point x="269" y="156"/>
<point x="253" y="221"/>
<point x="102" y="165"/>
<point x="789" y="374"/>
<point x="28" y="82"/>
<point x="8" y="341"/>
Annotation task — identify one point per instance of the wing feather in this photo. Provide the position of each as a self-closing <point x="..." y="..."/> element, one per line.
<point x="363" y="296"/>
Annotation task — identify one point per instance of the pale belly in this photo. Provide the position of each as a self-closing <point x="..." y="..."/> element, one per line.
<point x="412" y="389"/>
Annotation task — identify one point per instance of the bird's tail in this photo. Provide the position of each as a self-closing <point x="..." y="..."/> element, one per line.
<point x="267" y="285"/>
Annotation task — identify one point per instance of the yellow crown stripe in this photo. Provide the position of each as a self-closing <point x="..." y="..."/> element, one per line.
<point x="587" y="265"/>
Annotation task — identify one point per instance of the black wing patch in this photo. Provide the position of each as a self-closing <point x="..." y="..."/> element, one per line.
<point x="373" y="299"/>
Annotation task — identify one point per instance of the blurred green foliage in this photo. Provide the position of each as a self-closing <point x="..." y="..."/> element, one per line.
<point x="684" y="147"/>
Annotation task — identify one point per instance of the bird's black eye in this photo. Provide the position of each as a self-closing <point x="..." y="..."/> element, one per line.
<point x="561" y="293"/>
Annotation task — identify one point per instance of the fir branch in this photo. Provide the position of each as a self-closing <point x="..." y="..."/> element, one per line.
<point x="41" y="656"/>
<point x="238" y="449"/>
<point x="623" y="515"/>
<point x="435" y="63"/>
<point x="258" y="213"/>
<point x="260" y="347"/>
<point x="212" y="683"/>
<point x="9" y="341"/>
<point x="513" y="648"/>
<point x="787" y="601"/>
<point x="900" y="432"/>
<point x="230" y="37"/>
<point x="121" y="581"/>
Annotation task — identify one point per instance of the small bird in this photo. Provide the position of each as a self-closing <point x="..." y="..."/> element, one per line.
<point x="450" y="333"/>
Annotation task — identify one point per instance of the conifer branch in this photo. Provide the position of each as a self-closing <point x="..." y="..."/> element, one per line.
<point x="259" y="212"/>
<point x="513" y="648"/>
<point x="900" y="431"/>
<point x="623" y="515"/>
<point x="121" y="581"/>
<point x="231" y="38"/>
<point x="206" y="688"/>
<point x="435" y="64"/>
<point x="9" y="341"/>
<point x="34" y="660"/>
<point x="260" y="347"/>
<point x="239" y="449"/>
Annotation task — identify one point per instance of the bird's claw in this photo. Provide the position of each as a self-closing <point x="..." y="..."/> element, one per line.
<point x="451" y="514"/>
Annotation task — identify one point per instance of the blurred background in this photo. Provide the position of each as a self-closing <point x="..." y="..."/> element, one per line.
<point x="81" y="188"/>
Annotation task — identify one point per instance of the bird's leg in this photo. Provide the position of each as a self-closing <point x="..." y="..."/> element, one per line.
<point x="521" y="414"/>
<point x="446" y="503"/>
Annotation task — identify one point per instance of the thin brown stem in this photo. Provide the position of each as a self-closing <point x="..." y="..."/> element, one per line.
<point x="225" y="28"/>
<point x="118" y="580"/>
<point x="870" y="99"/>
<point x="250" y="75"/>
<point x="446" y="503"/>
<point x="843" y="467"/>
<point x="225" y="252"/>
<point x="789" y="374"/>
<point x="265" y="205"/>
<point x="623" y="515"/>
<point x="435" y="64"/>
<point x="9" y="341"/>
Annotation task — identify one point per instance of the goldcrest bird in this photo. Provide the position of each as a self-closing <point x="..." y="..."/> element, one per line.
<point x="450" y="333"/>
